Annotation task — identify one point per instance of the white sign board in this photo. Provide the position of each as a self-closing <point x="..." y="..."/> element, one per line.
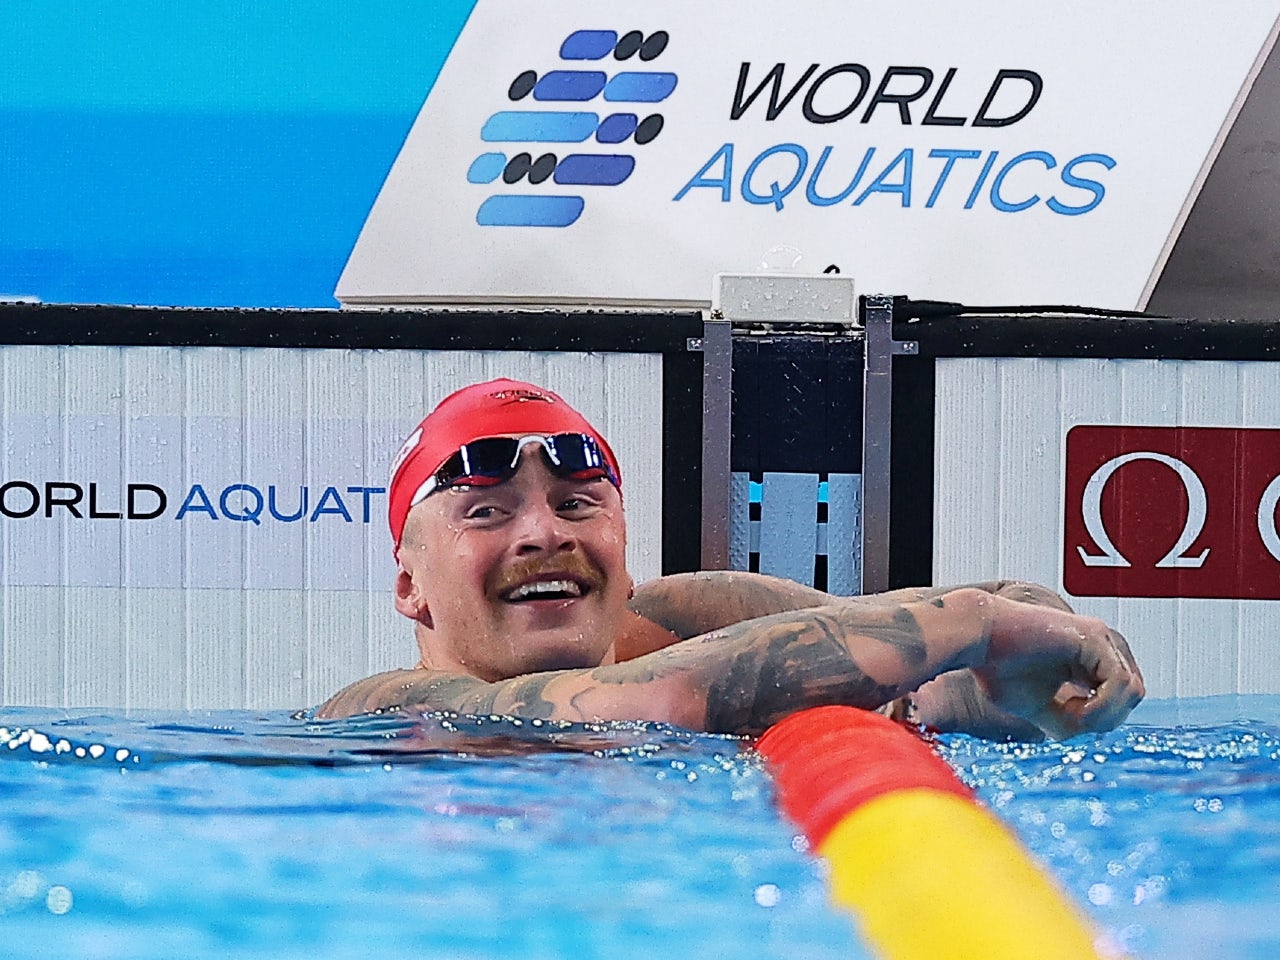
<point x="985" y="152"/>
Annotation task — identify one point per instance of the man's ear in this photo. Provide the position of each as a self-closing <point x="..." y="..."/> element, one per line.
<point x="409" y="599"/>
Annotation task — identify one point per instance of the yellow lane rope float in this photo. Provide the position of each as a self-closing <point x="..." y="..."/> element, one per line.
<point x="928" y="872"/>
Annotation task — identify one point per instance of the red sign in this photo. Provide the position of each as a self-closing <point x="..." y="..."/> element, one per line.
<point x="1172" y="512"/>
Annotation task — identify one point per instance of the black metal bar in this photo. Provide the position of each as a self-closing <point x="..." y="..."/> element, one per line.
<point x="628" y="332"/>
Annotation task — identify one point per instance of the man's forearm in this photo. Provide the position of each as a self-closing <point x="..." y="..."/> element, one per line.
<point x="738" y="680"/>
<point x="752" y="674"/>
<point x="691" y="604"/>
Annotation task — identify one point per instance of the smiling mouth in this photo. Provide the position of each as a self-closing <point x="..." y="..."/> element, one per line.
<point x="545" y="590"/>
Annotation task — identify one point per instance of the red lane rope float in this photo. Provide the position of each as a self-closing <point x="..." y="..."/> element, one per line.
<point x="928" y="871"/>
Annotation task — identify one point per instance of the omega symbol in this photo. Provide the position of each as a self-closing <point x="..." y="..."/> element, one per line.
<point x="1197" y="510"/>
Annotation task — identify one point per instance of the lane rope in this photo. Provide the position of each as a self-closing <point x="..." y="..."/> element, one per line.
<point x="927" y="871"/>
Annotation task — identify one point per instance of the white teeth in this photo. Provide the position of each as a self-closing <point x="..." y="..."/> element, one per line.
<point x="545" y="586"/>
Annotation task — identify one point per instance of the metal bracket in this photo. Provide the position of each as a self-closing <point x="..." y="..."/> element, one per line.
<point x="877" y="426"/>
<point x="716" y="346"/>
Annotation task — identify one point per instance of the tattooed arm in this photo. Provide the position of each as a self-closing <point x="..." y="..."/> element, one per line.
<point x="689" y="604"/>
<point x="746" y="676"/>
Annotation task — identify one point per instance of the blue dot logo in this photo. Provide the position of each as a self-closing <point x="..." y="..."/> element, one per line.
<point x="571" y="127"/>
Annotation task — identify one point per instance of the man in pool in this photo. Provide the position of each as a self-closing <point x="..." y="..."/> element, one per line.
<point x="507" y="517"/>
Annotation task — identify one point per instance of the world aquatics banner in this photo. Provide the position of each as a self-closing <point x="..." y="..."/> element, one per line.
<point x="988" y="152"/>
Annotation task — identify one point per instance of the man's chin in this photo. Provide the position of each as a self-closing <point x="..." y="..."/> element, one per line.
<point x="539" y="651"/>
<point x="556" y="635"/>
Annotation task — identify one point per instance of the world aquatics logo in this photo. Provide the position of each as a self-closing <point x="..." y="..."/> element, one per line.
<point x="517" y="128"/>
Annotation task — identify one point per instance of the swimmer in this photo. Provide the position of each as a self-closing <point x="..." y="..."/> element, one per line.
<point x="506" y="514"/>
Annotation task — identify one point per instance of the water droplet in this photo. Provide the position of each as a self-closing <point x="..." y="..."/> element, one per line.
<point x="768" y="895"/>
<point x="58" y="900"/>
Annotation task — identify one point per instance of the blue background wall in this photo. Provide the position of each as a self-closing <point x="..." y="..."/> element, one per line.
<point x="217" y="153"/>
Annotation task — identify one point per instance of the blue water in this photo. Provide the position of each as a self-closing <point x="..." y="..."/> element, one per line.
<point x="242" y="835"/>
<point x="258" y="835"/>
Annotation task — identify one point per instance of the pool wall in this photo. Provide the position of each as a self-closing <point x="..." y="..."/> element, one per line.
<point x="1128" y="461"/>
<point x="1010" y="498"/>
<point x="200" y="524"/>
<point x="203" y="524"/>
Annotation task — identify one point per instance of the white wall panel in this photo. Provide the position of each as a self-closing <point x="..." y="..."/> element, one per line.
<point x="1005" y="486"/>
<point x="215" y="612"/>
<point x="94" y="390"/>
<point x="213" y="457"/>
<point x="451" y="370"/>
<point x="1027" y="436"/>
<point x="35" y="644"/>
<point x="95" y="662"/>
<point x="34" y="447"/>
<point x="393" y="376"/>
<point x="337" y="644"/>
<point x="971" y="515"/>
<point x="1258" y="665"/>
<point x="278" y="428"/>
<point x="35" y="639"/>
<point x="1209" y="630"/>
<point x="276" y="627"/>
<point x="155" y="628"/>
<point x="217" y="649"/>
<point x="634" y="431"/>
<point x="1149" y="393"/>
<point x="390" y="642"/>
<point x="335" y="449"/>
<point x="154" y="437"/>
<point x="1151" y="627"/>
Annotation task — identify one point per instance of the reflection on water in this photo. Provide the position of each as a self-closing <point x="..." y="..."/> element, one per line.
<point x="273" y="739"/>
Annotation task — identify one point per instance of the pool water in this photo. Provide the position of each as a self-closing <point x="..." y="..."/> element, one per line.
<point x="243" y="835"/>
<point x="260" y="835"/>
<point x="1167" y="830"/>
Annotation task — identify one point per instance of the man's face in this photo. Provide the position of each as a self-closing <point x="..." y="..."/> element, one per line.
<point x="519" y="577"/>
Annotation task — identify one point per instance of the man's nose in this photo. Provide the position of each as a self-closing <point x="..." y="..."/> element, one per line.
<point x="541" y="529"/>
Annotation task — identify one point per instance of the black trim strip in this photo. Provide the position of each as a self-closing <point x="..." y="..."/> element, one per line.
<point x="911" y="473"/>
<point x="597" y="332"/>
<point x="797" y="404"/>
<point x="1151" y="338"/>
<point x="682" y="462"/>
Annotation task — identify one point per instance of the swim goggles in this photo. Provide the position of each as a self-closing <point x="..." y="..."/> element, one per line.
<point x="493" y="460"/>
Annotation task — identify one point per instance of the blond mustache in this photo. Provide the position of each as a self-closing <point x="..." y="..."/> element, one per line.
<point x="571" y="566"/>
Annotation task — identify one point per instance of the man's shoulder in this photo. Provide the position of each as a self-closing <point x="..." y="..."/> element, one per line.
<point x="689" y="604"/>
<point x="418" y="688"/>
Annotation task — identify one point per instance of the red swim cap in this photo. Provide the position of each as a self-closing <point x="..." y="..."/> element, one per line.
<point x="494" y="409"/>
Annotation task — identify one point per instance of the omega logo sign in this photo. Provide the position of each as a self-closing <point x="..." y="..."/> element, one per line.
<point x="1172" y="512"/>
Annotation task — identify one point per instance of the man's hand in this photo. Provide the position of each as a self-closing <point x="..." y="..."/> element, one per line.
<point x="1064" y="673"/>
